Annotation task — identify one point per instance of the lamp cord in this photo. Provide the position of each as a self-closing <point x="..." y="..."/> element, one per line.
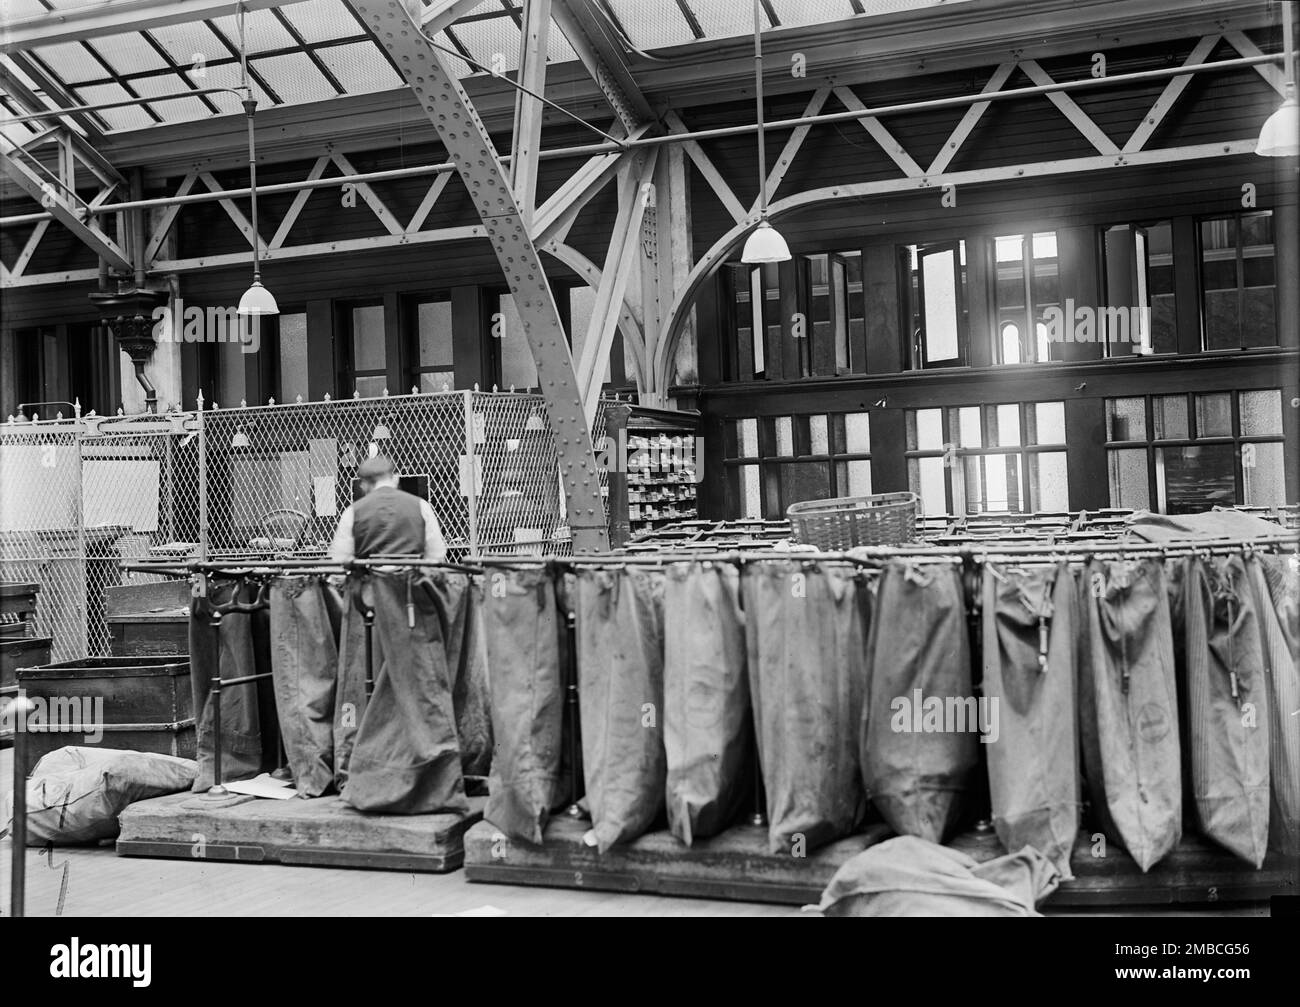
<point x="1288" y="43"/>
<point x="250" y="107"/>
<point x="758" y="95"/>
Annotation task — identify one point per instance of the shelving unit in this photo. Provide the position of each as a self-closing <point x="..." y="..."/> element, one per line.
<point x="661" y="455"/>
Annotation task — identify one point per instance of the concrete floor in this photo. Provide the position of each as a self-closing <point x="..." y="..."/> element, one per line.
<point x="82" y="881"/>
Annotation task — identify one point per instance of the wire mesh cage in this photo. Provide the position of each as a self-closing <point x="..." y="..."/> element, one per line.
<point x="485" y="461"/>
<point x="80" y="495"/>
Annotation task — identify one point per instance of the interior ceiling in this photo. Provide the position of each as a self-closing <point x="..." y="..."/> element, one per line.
<point x="313" y="50"/>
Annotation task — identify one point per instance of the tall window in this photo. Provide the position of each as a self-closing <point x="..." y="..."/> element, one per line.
<point x="937" y="303"/>
<point x="365" y="348"/>
<point x="1177" y="454"/>
<point x="1006" y="458"/>
<point x="430" y="350"/>
<point x="1237" y="277"/>
<point x="1028" y="283"/>
<point x="1138" y="281"/>
<point x="752" y="289"/>
<point x="775" y="461"/>
<point x="518" y="369"/>
<point x="292" y="355"/>
<point x="834" y="326"/>
<point x="580" y="301"/>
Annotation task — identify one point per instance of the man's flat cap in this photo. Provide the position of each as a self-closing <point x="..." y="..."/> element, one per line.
<point x="375" y="468"/>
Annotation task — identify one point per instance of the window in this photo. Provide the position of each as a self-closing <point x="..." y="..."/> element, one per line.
<point x="431" y="354"/>
<point x="1237" y="279"/>
<point x="755" y="297"/>
<point x="773" y="462"/>
<point x="1138" y="280"/>
<point x="365" y="350"/>
<point x="292" y="357"/>
<point x="937" y="303"/>
<point x="825" y="333"/>
<point x="833" y="328"/>
<point x="1028" y="283"/>
<point x="518" y="369"/>
<point x="1178" y="454"/>
<point x="1007" y="458"/>
<point x="581" y="303"/>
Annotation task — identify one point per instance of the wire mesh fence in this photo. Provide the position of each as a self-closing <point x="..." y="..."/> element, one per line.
<point x="78" y="496"/>
<point x="279" y="476"/>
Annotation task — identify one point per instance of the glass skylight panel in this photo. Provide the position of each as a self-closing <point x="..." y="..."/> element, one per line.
<point x="322" y="20"/>
<point x="793" y="13"/>
<point x="262" y="31"/>
<point x="15" y="9"/>
<point x="558" y="49"/>
<point x="493" y="42"/>
<point x="449" y="57"/>
<point x="71" y="63"/>
<point x="186" y="42"/>
<point x="227" y="75"/>
<point x="129" y="54"/>
<point x="653" y="24"/>
<point x="174" y="110"/>
<point x="725" y="20"/>
<point x="360" y="67"/>
<point x="294" y="77"/>
<point x="127" y="117"/>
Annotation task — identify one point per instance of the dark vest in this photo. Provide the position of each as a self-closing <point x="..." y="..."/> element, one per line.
<point x="387" y="522"/>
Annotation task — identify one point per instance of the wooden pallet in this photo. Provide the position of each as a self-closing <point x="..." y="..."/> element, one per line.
<point x="737" y="865"/>
<point x="321" y="832"/>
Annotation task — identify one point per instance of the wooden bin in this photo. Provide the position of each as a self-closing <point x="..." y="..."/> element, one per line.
<point x="30" y="652"/>
<point x="147" y="704"/>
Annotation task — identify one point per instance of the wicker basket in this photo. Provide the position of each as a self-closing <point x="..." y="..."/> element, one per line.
<point x="846" y="522"/>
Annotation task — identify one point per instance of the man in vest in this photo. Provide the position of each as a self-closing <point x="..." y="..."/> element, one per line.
<point x="386" y="521"/>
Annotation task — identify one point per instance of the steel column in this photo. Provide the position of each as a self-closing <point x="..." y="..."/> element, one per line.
<point x="528" y="109"/>
<point x="467" y="141"/>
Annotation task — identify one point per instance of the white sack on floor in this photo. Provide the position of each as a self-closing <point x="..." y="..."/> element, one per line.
<point x="75" y="795"/>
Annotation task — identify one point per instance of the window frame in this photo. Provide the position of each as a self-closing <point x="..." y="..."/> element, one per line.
<point x="409" y="308"/>
<point x="951" y="449"/>
<point x="346" y="371"/>
<point x="1239" y="261"/>
<point x="1158" y="502"/>
<point x="768" y="462"/>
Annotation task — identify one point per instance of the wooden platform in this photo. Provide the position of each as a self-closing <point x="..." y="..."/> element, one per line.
<point x="737" y="865"/>
<point x="318" y="832"/>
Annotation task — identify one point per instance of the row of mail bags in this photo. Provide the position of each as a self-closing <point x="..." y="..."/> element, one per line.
<point x="859" y="686"/>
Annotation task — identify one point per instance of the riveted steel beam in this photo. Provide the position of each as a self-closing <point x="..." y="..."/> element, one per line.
<point x="588" y="30"/>
<point x="467" y="141"/>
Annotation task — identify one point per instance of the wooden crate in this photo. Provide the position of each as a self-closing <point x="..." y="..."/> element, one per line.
<point x="149" y="634"/>
<point x="147" y="703"/>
